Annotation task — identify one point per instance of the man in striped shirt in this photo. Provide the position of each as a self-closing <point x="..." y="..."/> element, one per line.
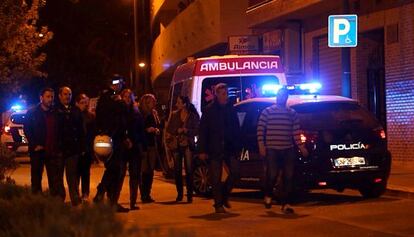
<point x="278" y="132"/>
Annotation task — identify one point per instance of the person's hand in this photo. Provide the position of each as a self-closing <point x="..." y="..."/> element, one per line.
<point x="151" y="130"/>
<point x="157" y="131"/>
<point x="203" y="156"/>
<point x="180" y="130"/>
<point x="304" y="151"/>
<point x="39" y="148"/>
<point x="128" y="143"/>
<point x="262" y="150"/>
<point x="185" y="130"/>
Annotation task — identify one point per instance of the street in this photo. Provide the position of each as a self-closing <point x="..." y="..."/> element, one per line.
<point x="320" y="213"/>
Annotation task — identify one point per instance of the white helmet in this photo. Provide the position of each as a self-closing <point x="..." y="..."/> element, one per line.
<point x="102" y="146"/>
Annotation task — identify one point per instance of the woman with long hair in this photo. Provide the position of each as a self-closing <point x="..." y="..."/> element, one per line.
<point x="149" y="159"/>
<point x="183" y="127"/>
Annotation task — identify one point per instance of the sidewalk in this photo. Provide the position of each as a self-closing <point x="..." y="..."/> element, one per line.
<point x="401" y="179"/>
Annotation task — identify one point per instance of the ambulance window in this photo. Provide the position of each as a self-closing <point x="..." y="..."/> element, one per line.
<point x="207" y="93"/>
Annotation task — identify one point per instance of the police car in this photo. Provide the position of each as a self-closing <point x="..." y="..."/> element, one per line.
<point x="347" y="146"/>
<point x="12" y="134"/>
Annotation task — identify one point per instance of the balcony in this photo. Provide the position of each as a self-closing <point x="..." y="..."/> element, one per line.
<point x="268" y="14"/>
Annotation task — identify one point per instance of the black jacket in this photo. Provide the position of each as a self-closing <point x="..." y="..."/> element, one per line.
<point x="219" y="131"/>
<point x="112" y="120"/>
<point x="71" y="132"/>
<point x="135" y="129"/>
<point x="35" y="127"/>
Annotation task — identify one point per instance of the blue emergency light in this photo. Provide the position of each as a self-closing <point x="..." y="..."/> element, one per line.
<point x="271" y="89"/>
<point x="17" y="107"/>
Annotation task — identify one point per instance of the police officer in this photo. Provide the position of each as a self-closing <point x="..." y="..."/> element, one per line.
<point x="71" y="136"/>
<point x="111" y="120"/>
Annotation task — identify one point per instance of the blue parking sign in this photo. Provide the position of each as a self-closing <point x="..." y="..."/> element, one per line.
<point x="342" y="30"/>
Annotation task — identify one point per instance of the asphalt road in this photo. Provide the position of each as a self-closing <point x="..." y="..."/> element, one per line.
<point x="322" y="213"/>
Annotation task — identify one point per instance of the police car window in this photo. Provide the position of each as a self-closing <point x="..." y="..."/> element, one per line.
<point x="17" y="118"/>
<point x="334" y="115"/>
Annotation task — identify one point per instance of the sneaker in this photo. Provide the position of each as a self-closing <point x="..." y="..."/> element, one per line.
<point x="268" y="202"/>
<point x="287" y="209"/>
<point x="189" y="199"/>
<point x="220" y="210"/>
<point x="121" y="209"/>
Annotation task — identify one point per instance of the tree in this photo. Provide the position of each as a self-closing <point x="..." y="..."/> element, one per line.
<point x="21" y="43"/>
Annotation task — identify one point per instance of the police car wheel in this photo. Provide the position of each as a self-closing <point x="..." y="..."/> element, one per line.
<point x="201" y="180"/>
<point x="373" y="190"/>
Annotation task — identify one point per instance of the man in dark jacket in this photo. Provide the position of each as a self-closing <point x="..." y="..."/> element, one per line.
<point x="41" y="130"/>
<point x="219" y="133"/>
<point x="85" y="161"/>
<point x="71" y="137"/>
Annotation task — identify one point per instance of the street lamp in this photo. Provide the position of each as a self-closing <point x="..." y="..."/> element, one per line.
<point x="141" y="64"/>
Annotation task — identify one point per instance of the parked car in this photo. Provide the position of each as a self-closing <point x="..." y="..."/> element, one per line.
<point x="12" y="133"/>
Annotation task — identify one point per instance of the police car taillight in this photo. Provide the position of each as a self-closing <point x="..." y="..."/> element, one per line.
<point x="382" y="134"/>
<point x="6" y="129"/>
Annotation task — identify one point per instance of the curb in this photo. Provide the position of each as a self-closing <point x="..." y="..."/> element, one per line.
<point x="400" y="191"/>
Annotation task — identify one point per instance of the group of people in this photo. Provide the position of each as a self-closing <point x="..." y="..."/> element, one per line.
<point x="61" y="138"/>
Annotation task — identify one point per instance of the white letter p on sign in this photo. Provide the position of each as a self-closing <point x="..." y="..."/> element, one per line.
<point x="337" y="23"/>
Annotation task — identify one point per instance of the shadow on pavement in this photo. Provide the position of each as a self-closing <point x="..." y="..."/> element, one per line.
<point x="310" y="199"/>
<point x="216" y="216"/>
<point x="171" y="203"/>
<point x="272" y="214"/>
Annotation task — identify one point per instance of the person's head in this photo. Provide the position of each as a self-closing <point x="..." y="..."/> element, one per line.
<point x="127" y="96"/>
<point x="147" y="103"/>
<point x="183" y="102"/>
<point x="117" y="83"/>
<point x="47" y="95"/>
<point x="82" y="102"/>
<point x="65" y="95"/>
<point x="221" y="93"/>
<point x="282" y="97"/>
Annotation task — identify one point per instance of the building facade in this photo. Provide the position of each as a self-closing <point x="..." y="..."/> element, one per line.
<point x="182" y="29"/>
<point x="381" y="66"/>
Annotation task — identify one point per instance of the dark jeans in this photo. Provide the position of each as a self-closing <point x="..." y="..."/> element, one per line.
<point x="280" y="161"/>
<point x="132" y="159"/>
<point x="85" y="162"/>
<point x="183" y="153"/>
<point x="54" y="170"/>
<point x="72" y="178"/>
<point x="149" y="160"/>
<point x="222" y="190"/>
<point x="110" y="182"/>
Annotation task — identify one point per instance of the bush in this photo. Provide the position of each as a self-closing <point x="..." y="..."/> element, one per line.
<point x="7" y="162"/>
<point x="23" y="214"/>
